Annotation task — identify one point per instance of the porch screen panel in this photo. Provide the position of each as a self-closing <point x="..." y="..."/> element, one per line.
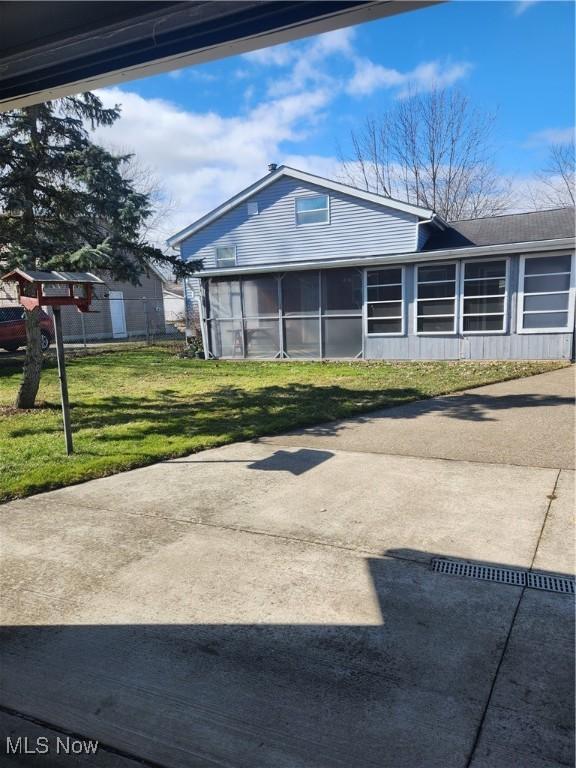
<point x="262" y="337"/>
<point x="342" y="336"/>
<point x="301" y="293"/>
<point x="483" y="296"/>
<point x="341" y="313"/>
<point x="226" y="338"/>
<point x="260" y="296"/>
<point x="341" y="292"/>
<point x="436" y="298"/>
<point x="302" y="337"/>
<point x="224" y="298"/>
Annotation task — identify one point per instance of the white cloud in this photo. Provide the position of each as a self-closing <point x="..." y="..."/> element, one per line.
<point x="302" y="65"/>
<point x="370" y="77"/>
<point x="551" y="136"/>
<point x="521" y="6"/>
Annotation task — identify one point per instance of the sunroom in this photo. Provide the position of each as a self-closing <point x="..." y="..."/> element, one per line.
<point x="424" y="309"/>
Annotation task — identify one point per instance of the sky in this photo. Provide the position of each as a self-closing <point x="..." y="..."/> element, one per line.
<point x="211" y="130"/>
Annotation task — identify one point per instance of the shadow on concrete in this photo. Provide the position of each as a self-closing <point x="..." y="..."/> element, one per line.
<point x="407" y="687"/>
<point x="296" y="462"/>
<point x="465" y="407"/>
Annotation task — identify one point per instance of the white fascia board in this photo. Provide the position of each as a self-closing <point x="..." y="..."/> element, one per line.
<point x="318" y="181"/>
<point x="507" y="249"/>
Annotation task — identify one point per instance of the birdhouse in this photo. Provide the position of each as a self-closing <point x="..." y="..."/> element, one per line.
<point x="54" y="289"/>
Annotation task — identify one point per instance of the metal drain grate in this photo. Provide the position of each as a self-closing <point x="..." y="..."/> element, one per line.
<point x="511" y="576"/>
<point x="485" y="572"/>
<point x="551" y="583"/>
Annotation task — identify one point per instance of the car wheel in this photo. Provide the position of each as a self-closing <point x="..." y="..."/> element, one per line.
<point x="44" y="341"/>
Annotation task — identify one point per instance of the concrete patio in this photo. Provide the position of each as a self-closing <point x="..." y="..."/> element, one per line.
<point x="271" y="604"/>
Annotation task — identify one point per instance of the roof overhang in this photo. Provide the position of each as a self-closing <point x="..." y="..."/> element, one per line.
<point x="424" y="214"/>
<point x="54" y="49"/>
<point x="504" y="249"/>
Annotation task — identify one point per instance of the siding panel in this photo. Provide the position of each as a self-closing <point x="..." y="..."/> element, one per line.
<point x="356" y="228"/>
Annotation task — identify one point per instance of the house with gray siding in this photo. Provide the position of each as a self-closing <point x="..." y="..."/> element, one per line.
<point x="298" y="266"/>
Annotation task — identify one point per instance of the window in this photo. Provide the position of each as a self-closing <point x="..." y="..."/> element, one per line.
<point x="312" y="210"/>
<point x="436" y="299"/>
<point x="253" y="209"/>
<point x="384" y="301"/>
<point x="483" y="306"/>
<point x="11" y="314"/>
<point x="226" y="256"/>
<point x="546" y="294"/>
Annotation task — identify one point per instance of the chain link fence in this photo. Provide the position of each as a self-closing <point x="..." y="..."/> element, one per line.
<point x="112" y="320"/>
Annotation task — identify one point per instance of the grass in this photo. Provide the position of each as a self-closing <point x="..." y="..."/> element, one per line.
<point x="134" y="407"/>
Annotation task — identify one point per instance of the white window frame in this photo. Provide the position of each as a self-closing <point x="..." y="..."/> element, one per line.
<point x="402" y="331"/>
<point x="312" y="223"/>
<point x="454" y="330"/>
<point x="464" y="279"/>
<point x="226" y="262"/>
<point x="569" y="327"/>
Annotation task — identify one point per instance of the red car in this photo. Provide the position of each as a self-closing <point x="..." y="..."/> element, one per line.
<point x="13" y="329"/>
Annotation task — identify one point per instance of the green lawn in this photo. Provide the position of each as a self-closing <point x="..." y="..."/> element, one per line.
<point x="135" y="407"/>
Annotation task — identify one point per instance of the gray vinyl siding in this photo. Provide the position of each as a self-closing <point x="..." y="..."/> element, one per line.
<point x="356" y="228"/>
<point x="423" y="235"/>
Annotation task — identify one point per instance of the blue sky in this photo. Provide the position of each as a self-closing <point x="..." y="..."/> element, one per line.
<point x="210" y="130"/>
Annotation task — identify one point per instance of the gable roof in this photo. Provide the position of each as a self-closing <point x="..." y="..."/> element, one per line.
<point x="551" y="224"/>
<point x="319" y="181"/>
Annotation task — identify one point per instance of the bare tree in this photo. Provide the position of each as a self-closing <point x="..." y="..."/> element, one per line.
<point x="145" y="179"/>
<point x="555" y="184"/>
<point x="432" y="150"/>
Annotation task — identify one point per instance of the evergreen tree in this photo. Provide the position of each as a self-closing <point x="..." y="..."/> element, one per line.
<point x="64" y="204"/>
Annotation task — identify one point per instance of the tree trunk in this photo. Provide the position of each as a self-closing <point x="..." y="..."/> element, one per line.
<point x="33" y="361"/>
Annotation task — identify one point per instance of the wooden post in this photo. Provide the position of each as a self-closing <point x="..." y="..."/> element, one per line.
<point x="63" y="381"/>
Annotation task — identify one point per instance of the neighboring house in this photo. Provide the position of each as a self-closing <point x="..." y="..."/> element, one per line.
<point x="120" y="310"/>
<point x="302" y="267"/>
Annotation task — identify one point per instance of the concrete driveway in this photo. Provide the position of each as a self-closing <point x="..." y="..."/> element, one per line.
<point x="271" y="604"/>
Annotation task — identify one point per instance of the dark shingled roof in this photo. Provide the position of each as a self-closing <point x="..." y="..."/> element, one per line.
<point x="514" y="228"/>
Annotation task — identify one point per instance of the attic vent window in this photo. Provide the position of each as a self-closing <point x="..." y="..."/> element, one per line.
<point x="253" y="209"/>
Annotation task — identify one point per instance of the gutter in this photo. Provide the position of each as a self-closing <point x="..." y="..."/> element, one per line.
<point x="505" y="249"/>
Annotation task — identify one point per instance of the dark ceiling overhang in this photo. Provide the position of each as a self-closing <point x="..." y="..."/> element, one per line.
<point x="53" y="49"/>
